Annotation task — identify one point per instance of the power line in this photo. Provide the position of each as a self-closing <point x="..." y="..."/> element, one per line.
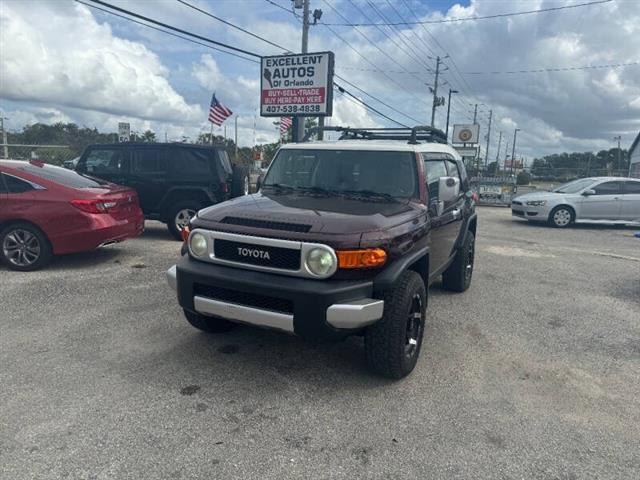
<point x="164" y="25"/>
<point x="167" y="32"/>
<point x="482" y="17"/>
<point x="555" y="69"/>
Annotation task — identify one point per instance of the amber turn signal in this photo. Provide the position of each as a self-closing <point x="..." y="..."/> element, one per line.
<point x="368" y="258"/>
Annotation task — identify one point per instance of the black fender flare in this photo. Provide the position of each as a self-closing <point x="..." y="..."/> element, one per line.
<point x="390" y="274"/>
<point x="462" y="236"/>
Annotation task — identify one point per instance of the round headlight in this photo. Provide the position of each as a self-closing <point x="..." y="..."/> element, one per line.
<point x="320" y="261"/>
<point x="198" y="244"/>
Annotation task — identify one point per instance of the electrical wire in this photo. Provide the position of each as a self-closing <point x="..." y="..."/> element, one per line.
<point x="555" y="69"/>
<point x="482" y="17"/>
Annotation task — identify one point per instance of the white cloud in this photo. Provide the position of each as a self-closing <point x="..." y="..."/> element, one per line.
<point x="57" y="54"/>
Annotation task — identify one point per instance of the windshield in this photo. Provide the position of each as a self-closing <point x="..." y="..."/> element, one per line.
<point x="573" y="187"/>
<point x="345" y="171"/>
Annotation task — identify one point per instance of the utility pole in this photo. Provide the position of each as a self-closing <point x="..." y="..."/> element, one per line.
<point x="435" y="93"/>
<point x="449" y="112"/>
<point x="619" y="137"/>
<point x="298" y="122"/>
<point x="4" y="138"/>
<point x="236" y="139"/>
<point x="486" y="153"/>
<point x="513" y="149"/>
<point x="475" y="114"/>
<point x="499" y="145"/>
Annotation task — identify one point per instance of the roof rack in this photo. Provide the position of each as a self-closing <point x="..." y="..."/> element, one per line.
<point x="413" y="135"/>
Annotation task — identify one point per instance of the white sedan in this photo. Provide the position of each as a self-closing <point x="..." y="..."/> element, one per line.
<point x="610" y="199"/>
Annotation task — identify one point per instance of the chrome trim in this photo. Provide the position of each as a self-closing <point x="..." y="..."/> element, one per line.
<point x="172" y="278"/>
<point x="241" y="313"/>
<point x="356" y="314"/>
<point x="303" y="247"/>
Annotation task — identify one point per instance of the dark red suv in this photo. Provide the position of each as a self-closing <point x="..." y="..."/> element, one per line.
<point x="47" y="210"/>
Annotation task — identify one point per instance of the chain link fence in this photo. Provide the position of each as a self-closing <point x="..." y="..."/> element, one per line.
<point x="53" y="154"/>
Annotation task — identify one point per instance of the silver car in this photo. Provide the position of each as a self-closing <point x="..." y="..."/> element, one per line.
<point x="610" y="199"/>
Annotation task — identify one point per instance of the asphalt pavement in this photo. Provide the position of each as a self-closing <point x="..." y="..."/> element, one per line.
<point x="532" y="373"/>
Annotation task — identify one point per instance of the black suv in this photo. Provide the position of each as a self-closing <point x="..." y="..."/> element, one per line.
<point x="173" y="180"/>
<point x="343" y="238"/>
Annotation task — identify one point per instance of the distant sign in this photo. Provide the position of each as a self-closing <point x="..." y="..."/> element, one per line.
<point x="467" y="152"/>
<point x="466" y="133"/>
<point x="297" y="85"/>
<point x="124" y="132"/>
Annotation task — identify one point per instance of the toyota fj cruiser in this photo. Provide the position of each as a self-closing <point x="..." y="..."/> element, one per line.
<point x="343" y="238"/>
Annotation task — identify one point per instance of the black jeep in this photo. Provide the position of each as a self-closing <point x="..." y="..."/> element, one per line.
<point x="343" y="238"/>
<point x="173" y="180"/>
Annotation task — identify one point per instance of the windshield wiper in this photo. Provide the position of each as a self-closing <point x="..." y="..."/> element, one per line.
<point x="321" y="190"/>
<point x="369" y="194"/>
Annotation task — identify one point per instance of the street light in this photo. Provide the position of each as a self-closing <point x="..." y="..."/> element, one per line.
<point x="449" y="111"/>
<point x="513" y="149"/>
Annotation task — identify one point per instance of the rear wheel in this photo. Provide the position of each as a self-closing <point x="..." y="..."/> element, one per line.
<point x="24" y="247"/>
<point x="179" y="216"/>
<point x="392" y="345"/>
<point x="457" y="277"/>
<point x="240" y="181"/>
<point x="561" y="217"/>
<point x="208" y="324"/>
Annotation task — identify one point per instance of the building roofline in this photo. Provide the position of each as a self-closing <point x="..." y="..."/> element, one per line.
<point x="634" y="145"/>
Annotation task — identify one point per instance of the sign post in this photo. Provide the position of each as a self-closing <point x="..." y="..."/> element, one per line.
<point x="299" y="85"/>
<point x="124" y="132"/>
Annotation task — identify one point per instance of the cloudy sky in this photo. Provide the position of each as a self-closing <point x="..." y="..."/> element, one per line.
<point x="63" y="61"/>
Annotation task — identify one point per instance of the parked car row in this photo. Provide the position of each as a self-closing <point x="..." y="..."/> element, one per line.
<point x="47" y="210"/>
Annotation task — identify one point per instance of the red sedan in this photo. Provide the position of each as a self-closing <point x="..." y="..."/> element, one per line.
<point x="47" y="210"/>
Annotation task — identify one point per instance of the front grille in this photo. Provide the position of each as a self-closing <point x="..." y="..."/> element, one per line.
<point x="518" y="212"/>
<point x="254" y="300"/>
<point x="252" y="222"/>
<point x="262" y="255"/>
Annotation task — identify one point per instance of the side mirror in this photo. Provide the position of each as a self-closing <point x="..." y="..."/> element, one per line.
<point x="448" y="188"/>
<point x="589" y="192"/>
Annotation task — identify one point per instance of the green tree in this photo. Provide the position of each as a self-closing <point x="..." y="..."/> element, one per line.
<point x="148" y="136"/>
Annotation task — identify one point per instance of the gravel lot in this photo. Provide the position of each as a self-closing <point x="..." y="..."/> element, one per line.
<point x="532" y="373"/>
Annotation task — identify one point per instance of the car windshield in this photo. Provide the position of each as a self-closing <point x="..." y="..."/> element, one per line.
<point x="348" y="172"/>
<point x="574" y="186"/>
<point x="63" y="176"/>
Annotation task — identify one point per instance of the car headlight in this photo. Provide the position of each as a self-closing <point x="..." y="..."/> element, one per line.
<point x="320" y="261"/>
<point x="537" y="203"/>
<point x="198" y="244"/>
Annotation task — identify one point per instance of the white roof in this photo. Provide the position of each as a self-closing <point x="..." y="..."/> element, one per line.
<point x="379" y="145"/>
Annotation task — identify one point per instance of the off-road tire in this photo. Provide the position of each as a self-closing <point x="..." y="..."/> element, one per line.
<point x="457" y="278"/>
<point x="173" y="211"/>
<point x="45" y="251"/>
<point x="208" y="324"/>
<point x="552" y="217"/>
<point x="385" y="342"/>
<point x="240" y="181"/>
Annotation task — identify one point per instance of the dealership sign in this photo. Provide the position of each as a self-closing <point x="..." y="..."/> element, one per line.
<point x="466" y="133"/>
<point x="297" y="85"/>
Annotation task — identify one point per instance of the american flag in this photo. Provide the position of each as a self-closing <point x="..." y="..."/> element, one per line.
<point x="218" y="113"/>
<point x="285" y="123"/>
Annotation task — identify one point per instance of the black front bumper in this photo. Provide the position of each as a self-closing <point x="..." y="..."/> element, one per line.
<point x="307" y="300"/>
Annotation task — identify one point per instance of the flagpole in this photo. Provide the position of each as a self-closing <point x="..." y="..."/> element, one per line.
<point x="211" y="134"/>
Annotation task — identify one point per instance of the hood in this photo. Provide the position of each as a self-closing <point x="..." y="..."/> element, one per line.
<point x="309" y="213"/>
<point x="538" y="196"/>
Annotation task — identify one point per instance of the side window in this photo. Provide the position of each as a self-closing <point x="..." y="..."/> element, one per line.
<point x="190" y="162"/>
<point x="632" y="188"/>
<point x="452" y="168"/>
<point x="15" y="185"/>
<point x="608" y="188"/>
<point x="435" y="169"/>
<point x="225" y="161"/>
<point x="104" y="161"/>
<point x="148" y="161"/>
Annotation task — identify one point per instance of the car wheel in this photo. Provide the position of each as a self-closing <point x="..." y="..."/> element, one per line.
<point x="457" y="277"/>
<point x="208" y="324"/>
<point x="24" y="247"/>
<point x="561" y="217"/>
<point x="240" y="182"/>
<point x="392" y="344"/>
<point x="179" y="217"/>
